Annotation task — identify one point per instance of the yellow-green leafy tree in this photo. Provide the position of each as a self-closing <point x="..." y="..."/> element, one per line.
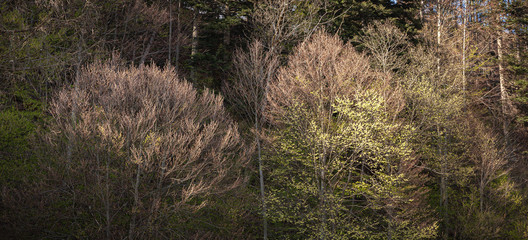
<point x="342" y="164"/>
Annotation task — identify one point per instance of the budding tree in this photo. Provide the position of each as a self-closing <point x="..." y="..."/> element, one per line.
<point x="343" y="165"/>
<point x="277" y="24"/>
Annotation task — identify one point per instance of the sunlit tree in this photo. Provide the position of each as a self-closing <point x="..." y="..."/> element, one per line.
<point x="146" y="144"/>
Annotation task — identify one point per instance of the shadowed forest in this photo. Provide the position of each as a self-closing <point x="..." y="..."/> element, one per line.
<point x="263" y="119"/>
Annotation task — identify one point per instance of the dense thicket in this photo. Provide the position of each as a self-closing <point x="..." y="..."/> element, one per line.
<point x="366" y="119"/>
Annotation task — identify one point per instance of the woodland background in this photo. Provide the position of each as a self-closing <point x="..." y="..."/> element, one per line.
<point x="274" y="119"/>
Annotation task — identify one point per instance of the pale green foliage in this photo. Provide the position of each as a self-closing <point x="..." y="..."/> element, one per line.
<point x="342" y="164"/>
<point x="365" y="161"/>
<point x="434" y="105"/>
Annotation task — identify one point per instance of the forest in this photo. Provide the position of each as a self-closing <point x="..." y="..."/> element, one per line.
<point x="264" y="119"/>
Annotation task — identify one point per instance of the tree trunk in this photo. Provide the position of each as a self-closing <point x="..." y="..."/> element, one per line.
<point x="422" y="10"/>
<point x="438" y="38"/>
<point x="178" y="29"/>
<point x="170" y="31"/>
<point x="443" y="180"/>
<point x="258" y="116"/>
<point x="322" y="191"/>
<point x="481" y="192"/>
<point x="322" y="188"/>
<point x="107" y="200"/>
<point x="443" y="187"/>
<point x="133" y="215"/>
<point x="261" y="181"/>
<point x="227" y="30"/>
<point x="441" y="139"/>
<point x="464" y="27"/>
<point x="502" y="85"/>
<point x="194" y="44"/>
<point x="147" y="49"/>
<point x="158" y="200"/>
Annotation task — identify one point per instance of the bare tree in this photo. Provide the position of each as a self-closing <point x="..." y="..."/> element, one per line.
<point x="158" y="17"/>
<point x="385" y="44"/>
<point x="253" y="71"/>
<point x="178" y="37"/>
<point x="147" y="127"/>
<point x="489" y="158"/>
<point x="277" y="23"/>
<point x="505" y="102"/>
<point x="281" y="21"/>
